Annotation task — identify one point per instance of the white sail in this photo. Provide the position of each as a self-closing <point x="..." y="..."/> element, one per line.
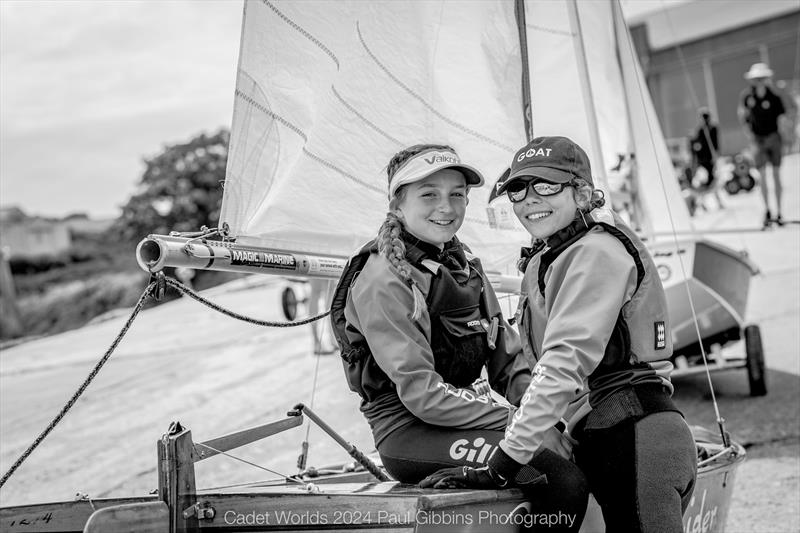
<point x="328" y="91"/>
<point x="614" y="96"/>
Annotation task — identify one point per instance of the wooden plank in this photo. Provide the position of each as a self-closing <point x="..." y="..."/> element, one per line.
<point x="176" y="483"/>
<point x="212" y="447"/>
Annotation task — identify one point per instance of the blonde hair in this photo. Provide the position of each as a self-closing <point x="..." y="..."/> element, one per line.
<point x="389" y="241"/>
<point x="586" y="196"/>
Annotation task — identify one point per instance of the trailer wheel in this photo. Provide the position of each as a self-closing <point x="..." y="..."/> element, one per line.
<point x="756" y="374"/>
<point x="289" y="303"/>
<point x="732" y="186"/>
<point x="748" y="182"/>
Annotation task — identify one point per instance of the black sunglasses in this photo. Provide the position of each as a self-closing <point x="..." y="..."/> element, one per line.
<point x="517" y="190"/>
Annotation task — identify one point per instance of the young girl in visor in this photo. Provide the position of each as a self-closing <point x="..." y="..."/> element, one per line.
<point x="593" y="316"/>
<point x="417" y="322"/>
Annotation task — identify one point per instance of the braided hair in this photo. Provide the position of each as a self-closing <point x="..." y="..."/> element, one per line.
<point x="390" y="243"/>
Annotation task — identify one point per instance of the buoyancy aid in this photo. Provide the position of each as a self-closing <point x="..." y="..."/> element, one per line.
<point x="639" y="340"/>
<point x="462" y="332"/>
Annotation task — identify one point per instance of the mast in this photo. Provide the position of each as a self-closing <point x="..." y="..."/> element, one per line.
<point x="586" y="83"/>
<point x="636" y="214"/>
<point x="527" y="105"/>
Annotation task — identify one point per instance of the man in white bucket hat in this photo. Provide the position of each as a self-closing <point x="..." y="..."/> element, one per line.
<point x="759" y="109"/>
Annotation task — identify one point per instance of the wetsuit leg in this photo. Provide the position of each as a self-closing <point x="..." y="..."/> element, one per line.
<point x="418" y="450"/>
<point x="642" y="474"/>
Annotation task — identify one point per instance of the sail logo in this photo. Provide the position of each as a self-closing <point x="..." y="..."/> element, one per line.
<point x="475" y="452"/>
<point x="539" y="373"/>
<point x="541" y="152"/>
<point x="263" y="259"/>
<point x="464" y="394"/>
<point x="441" y="158"/>
<point x="703" y="520"/>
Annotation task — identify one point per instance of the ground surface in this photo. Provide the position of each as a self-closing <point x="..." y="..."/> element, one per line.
<point x="182" y="361"/>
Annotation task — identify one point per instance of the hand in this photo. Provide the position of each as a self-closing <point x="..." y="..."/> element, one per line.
<point x="557" y="442"/>
<point x="463" y="477"/>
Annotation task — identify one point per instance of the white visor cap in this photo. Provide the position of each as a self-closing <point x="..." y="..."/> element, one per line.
<point x="425" y="163"/>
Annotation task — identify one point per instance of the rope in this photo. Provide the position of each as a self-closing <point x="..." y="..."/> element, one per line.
<point x="149" y="291"/>
<point x="245" y="461"/>
<point x="83" y="386"/>
<point x="183" y="289"/>
<point x="720" y="420"/>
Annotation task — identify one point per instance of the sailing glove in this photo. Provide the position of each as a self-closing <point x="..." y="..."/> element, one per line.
<point x="500" y="472"/>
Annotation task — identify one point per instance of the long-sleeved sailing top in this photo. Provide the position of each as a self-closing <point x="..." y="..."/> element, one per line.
<point x="407" y="370"/>
<point x="593" y="315"/>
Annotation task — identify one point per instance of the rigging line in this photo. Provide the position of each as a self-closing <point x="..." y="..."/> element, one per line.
<point x="422" y="101"/>
<point x="183" y="289"/>
<point x="364" y="119"/>
<point x="147" y="292"/>
<point x="250" y="100"/>
<point x="638" y="77"/>
<point x="243" y="156"/>
<point x="313" y="387"/>
<point x="696" y="103"/>
<point x="303" y="32"/>
<point x="245" y="461"/>
<point x="554" y="31"/>
<point x="313" y="394"/>
<point x="236" y="485"/>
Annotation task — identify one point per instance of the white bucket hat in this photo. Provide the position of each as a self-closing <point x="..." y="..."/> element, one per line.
<point x="758" y="70"/>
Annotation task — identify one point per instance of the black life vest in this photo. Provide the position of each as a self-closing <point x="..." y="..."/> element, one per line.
<point x="460" y="330"/>
<point x="563" y="239"/>
<point x="616" y="362"/>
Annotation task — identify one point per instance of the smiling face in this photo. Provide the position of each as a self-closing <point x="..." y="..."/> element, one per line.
<point x="543" y="216"/>
<point x="433" y="208"/>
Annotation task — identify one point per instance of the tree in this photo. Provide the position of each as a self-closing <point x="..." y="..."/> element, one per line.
<point x="180" y="190"/>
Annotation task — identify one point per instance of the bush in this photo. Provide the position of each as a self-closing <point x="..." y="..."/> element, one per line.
<point x="33" y="265"/>
<point x="71" y="305"/>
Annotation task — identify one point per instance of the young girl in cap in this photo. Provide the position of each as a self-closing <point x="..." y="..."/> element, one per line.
<point x="593" y="315"/>
<point x="417" y="323"/>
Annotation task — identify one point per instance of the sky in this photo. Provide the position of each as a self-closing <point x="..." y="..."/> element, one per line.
<point x="88" y="89"/>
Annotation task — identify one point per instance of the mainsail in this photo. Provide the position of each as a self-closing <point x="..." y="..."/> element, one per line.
<point x="327" y="92"/>
<point x="332" y="90"/>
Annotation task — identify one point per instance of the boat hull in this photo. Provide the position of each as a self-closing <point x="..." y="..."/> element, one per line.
<point x="717" y="280"/>
<point x="351" y="503"/>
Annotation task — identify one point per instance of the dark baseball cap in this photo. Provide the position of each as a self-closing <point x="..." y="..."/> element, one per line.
<point x="556" y="159"/>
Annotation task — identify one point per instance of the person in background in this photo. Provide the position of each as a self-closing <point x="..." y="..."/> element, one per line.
<point x="593" y="315"/>
<point x="759" y="110"/>
<point x="704" y="147"/>
<point x="418" y="323"/>
<point x="705" y="144"/>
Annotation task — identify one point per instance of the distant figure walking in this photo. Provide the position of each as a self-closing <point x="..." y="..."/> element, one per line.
<point x="704" y="146"/>
<point x="759" y="109"/>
